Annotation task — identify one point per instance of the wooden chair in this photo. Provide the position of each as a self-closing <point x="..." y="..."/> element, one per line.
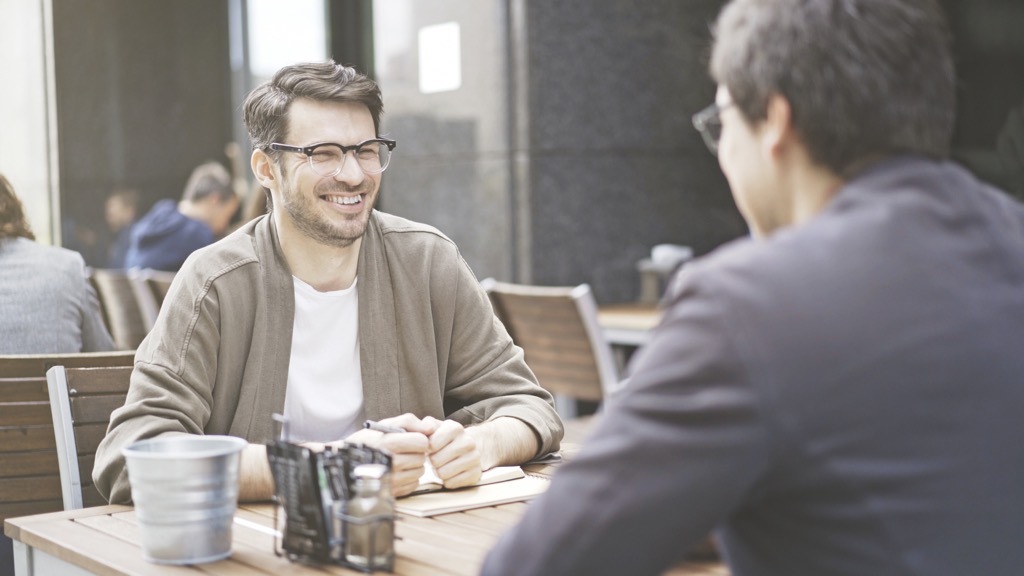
<point x="129" y="309"/>
<point x="158" y="282"/>
<point x="556" y="326"/>
<point x="29" y="470"/>
<point x="81" y="400"/>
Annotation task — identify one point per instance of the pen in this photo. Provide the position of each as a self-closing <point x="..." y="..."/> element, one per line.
<point x="374" y="425"/>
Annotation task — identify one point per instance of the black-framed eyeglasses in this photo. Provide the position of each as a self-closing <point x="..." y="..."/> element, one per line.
<point x="709" y="123"/>
<point x="327" y="158"/>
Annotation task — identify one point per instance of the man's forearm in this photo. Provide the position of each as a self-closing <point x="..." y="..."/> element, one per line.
<point x="504" y="441"/>
<point x="255" y="481"/>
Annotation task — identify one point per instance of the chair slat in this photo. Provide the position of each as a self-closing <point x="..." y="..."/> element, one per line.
<point x="99" y="380"/>
<point x="92" y="409"/>
<point x="36" y="365"/>
<point x="10" y="509"/>
<point x="159" y="283"/>
<point x="31" y="463"/>
<point x="89" y="436"/>
<point x="22" y="438"/>
<point x="25" y="414"/>
<point x="27" y="489"/>
<point x="91" y="497"/>
<point x="85" y="464"/>
<point x="23" y="390"/>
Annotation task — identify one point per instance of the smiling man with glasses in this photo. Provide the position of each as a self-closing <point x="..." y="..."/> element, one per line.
<point x="331" y="312"/>
<point x="835" y="394"/>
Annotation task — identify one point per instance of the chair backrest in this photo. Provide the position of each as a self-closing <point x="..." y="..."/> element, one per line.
<point x="158" y="281"/>
<point x="81" y="401"/>
<point x="29" y="470"/>
<point x="128" y="309"/>
<point x="556" y="326"/>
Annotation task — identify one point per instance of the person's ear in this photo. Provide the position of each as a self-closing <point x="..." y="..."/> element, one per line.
<point x="263" y="168"/>
<point x="777" y="128"/>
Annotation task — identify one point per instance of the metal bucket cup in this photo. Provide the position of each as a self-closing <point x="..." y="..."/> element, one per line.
<point x="185" y="490"/>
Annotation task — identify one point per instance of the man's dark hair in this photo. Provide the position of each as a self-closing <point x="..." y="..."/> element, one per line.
<point x="863" y="78"/>
<point x="12" y="216"/>
<point x="266" y="108"/>
<point x="209" y="179"/>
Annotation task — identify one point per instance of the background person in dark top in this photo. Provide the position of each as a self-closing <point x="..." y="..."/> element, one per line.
<point x="170" y="231"/>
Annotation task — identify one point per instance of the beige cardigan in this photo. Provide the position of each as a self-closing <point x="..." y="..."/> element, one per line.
<point x="217" y="360"/>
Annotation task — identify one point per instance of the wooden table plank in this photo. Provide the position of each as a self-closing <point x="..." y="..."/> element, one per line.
<point x="472" y="522"/>
<point x="243" y="560"/>
<point x="104" y="540"/>
<point x="93" y="550"/>
<point x="445" y="539"/>
<point x="452" y="532"/>
<point x="459" y="561"/>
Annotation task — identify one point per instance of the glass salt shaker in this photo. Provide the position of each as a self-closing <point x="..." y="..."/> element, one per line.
<point x="369" y="539"/>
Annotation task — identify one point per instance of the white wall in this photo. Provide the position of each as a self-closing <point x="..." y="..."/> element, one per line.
<point x="25" y="158"/>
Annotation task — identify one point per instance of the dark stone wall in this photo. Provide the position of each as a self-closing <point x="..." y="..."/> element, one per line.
<point x="616" y="167"/>
<point x="143" y="96"/>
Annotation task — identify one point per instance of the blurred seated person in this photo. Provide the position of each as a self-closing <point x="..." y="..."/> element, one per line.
<point x="119" y="211"/>
<point x="47" y="305"/>
<point x="169" y="232"/>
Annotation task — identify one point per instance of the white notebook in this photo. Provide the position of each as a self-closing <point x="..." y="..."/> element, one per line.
<point x="497" y="486"/>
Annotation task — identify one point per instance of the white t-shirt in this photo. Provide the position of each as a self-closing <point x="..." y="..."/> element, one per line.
<point x="324" y="398"/>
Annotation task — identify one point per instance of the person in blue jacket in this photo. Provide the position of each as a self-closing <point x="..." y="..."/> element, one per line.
<point x="170" y="231"/>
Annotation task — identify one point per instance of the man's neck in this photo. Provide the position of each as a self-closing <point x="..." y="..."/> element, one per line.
<point x="325" y="268"/>
<point x="813" y="190"/>
<point x="196" y="211"/>
<point x="805" y="187"/>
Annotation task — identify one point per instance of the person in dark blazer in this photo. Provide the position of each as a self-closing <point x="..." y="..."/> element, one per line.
<point x="841" y="394"/>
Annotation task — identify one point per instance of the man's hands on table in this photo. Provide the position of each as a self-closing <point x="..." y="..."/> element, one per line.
<point x="458" y="455"/>
<point x="452" y="452"/>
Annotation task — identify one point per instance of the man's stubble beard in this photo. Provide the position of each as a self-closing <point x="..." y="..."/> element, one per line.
<point x="311" y="221"/>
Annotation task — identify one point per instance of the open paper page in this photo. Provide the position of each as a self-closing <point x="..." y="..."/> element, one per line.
<point x="430" y="481"/>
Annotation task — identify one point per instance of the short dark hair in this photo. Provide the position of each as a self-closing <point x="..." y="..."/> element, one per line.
<point x="208" y="179"/>
<point x="863" y="77"/>
<point x="265" y="111"/>
<point x="13" y="223"/>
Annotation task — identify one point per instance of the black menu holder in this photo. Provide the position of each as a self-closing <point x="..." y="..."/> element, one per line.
<point x="311" y="489"/>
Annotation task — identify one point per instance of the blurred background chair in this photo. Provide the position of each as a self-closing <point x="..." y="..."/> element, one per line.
<point x="158" y="282"/>
<point x="129" y="306"/>
<point x="81" y="400"/>
<point x="556" y="326"/>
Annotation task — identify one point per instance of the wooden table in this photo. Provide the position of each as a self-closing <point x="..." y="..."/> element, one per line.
<point x="105" y="540"/>
<point x="628" y="324"/>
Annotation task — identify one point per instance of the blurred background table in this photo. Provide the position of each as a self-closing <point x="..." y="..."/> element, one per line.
<point x="628" y="324"/>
